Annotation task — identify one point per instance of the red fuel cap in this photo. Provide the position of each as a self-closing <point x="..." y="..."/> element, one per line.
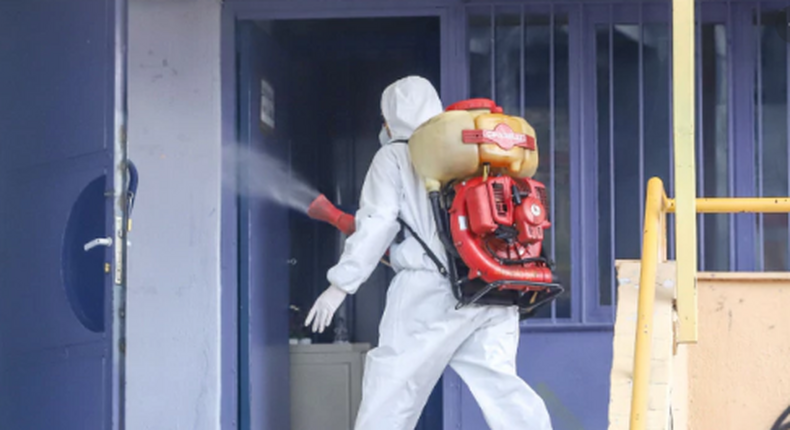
<point x="473" y="104"/>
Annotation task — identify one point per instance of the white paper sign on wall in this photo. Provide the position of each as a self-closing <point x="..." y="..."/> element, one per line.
<point x="267" y="104"/>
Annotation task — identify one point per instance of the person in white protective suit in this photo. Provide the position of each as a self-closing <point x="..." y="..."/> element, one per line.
<point x="421" y="331"/>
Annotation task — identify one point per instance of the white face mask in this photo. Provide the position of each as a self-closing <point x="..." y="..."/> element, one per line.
<point x="384" y="136"/>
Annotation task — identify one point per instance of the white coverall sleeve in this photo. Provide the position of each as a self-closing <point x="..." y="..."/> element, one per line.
<point x="376" y="223"/>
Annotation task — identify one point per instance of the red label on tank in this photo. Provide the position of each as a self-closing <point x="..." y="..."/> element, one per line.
<point x="502" y="135"/>
<point x="505" y="137"/>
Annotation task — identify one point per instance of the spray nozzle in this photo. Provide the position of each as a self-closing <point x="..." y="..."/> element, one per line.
<point x="322" y="209"/>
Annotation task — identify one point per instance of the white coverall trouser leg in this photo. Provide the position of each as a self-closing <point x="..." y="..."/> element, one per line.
<point x="421" y="333"/>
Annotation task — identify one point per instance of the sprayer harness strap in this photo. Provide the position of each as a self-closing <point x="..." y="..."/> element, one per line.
<point x="425" y="247"/>
<point x="428" y="251"/>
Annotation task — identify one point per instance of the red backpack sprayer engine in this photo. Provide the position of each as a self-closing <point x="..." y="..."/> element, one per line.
<point x="491" y="215"/>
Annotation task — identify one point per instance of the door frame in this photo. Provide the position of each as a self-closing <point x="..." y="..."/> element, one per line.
<point x="452" y="87"/>
<point x="121" y="215"/>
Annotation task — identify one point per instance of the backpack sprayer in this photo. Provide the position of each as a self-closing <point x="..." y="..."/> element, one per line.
<point x="478" y="165"/>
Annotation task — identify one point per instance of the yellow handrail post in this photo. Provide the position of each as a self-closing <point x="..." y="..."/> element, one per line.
<point x="683" y="115"/>
<point x="662" y="235"/>
<point x="651" y="251"/>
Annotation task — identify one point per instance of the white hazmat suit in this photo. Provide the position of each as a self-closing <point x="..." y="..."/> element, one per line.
<point x="421" y="332"/>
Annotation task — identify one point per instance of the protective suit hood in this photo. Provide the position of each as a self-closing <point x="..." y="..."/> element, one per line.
<point x="406" y="104"/>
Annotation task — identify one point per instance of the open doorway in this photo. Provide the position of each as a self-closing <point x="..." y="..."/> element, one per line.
<point x="309" y="95"/>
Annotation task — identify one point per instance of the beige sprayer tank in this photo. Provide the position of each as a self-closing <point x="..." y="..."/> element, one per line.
<point x="458" y="143"/>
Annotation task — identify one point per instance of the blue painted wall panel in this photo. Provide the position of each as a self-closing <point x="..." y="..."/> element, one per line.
<point x="56" y="390"/>
<point x="55" y="61"/>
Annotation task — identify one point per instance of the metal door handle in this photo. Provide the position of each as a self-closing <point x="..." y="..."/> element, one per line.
<point x="101" y="241"/>
<point x="131" y="192"/>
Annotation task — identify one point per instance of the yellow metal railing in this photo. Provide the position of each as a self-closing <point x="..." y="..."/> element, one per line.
<point x="685" y="206"/>
<point x="657" y="205"/>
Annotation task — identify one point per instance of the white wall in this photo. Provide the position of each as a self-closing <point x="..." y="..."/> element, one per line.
<point x="174" y="261"/>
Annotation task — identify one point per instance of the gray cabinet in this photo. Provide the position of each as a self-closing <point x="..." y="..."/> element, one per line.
<point x="326" y="385"/>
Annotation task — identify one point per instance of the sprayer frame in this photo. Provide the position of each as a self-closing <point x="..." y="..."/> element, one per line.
<point x="440" y="202"/>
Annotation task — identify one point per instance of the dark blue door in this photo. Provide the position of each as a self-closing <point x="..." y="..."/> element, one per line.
<point x="264" y="235"/>
<point x="61" y="126"/>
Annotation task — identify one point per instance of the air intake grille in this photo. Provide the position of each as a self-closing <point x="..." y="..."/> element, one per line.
<point x="499" y="199"/>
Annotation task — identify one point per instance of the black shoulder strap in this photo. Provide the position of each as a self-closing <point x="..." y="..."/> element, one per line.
<point x="425" y="247"/>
